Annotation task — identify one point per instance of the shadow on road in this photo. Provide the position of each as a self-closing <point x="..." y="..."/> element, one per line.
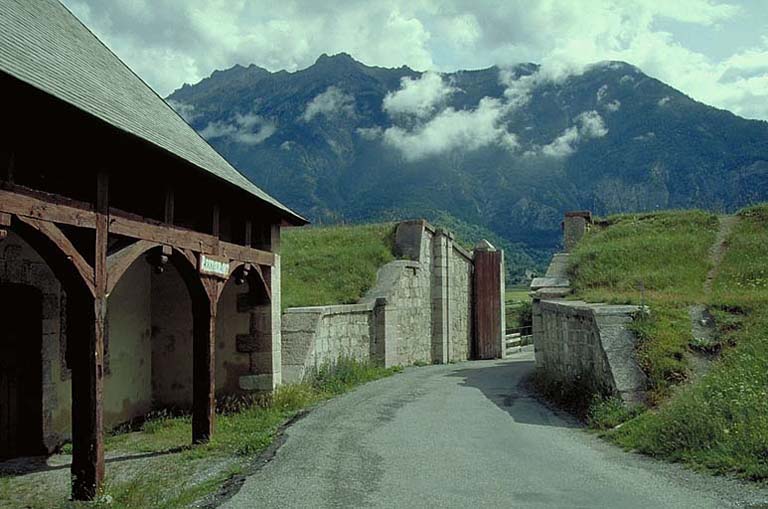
<point x="506" y="384"/>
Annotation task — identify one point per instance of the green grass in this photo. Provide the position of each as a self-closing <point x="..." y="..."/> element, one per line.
<point x="517" y="307"/>
<point x="721" y="421"/>
<point x="332" y="265"/>
<point x="657" y="257"/>
<point x="659" y="260"/>
<point x="179" y="474"/>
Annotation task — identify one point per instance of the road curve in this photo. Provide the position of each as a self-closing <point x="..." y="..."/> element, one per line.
<point x="466" y="435"/>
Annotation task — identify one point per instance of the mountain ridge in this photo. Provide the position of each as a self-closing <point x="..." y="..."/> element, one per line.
<point x="334" y="143"/>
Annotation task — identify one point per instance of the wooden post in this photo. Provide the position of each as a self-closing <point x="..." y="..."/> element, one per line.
<point x="88" y="368"/>
<point x="215" y="227"/>
<point x="247" y="240"/>
<point x="169" y="206"/>
<point x="203" y="361"/>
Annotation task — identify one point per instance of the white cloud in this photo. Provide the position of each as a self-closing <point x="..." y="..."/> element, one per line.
<point x="589" y="124"/>
<point x="186" y="111"/>
<point x="418" y="97"/>
<point x="332" y="102"/>
<point x="602" y="92"/>
<point x="613" y="106"/>
<point x="453" y="129"/>
<point x="664" y="100"/>
<point x="169" y="43"/>
<point x="370" y="133"/>
<point x="248" y="129"/>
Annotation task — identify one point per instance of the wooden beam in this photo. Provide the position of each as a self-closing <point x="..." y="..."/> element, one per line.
<point x="47" y="207"/>
<point x="119" y="261"/>
<point x="55" y="235"/>
<point x="50" y="207"/>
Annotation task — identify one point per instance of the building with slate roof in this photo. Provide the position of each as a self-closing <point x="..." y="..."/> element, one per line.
<point x="138" y="269"/>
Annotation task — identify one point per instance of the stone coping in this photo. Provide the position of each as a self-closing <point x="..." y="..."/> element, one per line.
<point x="550" y="282"/>
<point x="336" y="309"/>
<point x="592" y="307"/>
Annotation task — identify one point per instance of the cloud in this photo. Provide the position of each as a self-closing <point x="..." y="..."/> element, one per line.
<point x="333" y="101"/>
<point x="418" y="97"/>
<point x="453" y="129"/>
<point x="248" y="129"/>
<point x="589" y="124"/>
<point x="664" y="100"/>
<point x="613" y="106"/>
<point x="370" y="133"/>
<point x="186" y="111"/>
<point x="169" y="43"/>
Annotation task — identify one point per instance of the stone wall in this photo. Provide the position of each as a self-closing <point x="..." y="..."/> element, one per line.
<point x="582" y="343"/>
<point x="418" y="311"/>
<point x="590" y="345"/>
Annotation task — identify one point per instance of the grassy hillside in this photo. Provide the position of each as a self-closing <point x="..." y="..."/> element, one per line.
<point x="660" y="260"/>
<point x="715" y="418"/>
<point x="332" y="265"/>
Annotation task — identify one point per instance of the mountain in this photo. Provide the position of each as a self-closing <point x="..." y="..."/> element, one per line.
<point x="490" y="152"/>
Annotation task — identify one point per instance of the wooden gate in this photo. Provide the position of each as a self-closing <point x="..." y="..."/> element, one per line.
<point x="487" y="305"/>
<point x="21" y="381"/>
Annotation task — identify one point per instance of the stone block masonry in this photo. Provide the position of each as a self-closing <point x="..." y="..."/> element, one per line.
<point x="581" y="343"/>
<point x="420" y="310"/>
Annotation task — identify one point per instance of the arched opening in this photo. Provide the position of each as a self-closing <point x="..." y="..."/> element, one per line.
<point x="150" y="334"/>
<point x="21" y="373"/>
<point x="37" y="288"/>
<point x="244" y="335"/>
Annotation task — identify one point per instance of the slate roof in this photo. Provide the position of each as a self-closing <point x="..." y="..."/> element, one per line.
<point x="46" y="46"/>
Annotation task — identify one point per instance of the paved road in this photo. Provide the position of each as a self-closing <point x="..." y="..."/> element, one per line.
<point x="466" y="435"/>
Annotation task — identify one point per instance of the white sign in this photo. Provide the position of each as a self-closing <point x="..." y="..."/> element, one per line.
<point x="214" y="266"/>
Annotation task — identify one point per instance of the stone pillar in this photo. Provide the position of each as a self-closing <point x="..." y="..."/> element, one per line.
<point x="385" y="335"/>
<point x="442" y="245"/>
<point x="574" y="227"/>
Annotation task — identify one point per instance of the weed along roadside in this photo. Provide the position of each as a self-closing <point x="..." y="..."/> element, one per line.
<point x="700" y="286"/>
<point x="155" y="467"/>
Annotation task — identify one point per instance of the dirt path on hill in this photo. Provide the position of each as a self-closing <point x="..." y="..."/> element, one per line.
<point x="718" y="249"/>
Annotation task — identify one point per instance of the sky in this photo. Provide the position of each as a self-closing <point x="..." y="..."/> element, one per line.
<point x="714" y="51"/>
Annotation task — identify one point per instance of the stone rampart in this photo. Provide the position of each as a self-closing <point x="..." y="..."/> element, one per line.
<point x="418" y="311"/>
<point x="581" y="343"/>
<point x="588" y="344"/>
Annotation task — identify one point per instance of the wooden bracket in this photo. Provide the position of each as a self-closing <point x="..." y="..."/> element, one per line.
<point x="55" y="235"/>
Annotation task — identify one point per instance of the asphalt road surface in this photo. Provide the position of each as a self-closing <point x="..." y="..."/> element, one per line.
<point x="466" y="435"/>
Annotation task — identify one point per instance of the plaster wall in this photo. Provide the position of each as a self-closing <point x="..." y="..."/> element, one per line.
<point x="171" y="320"/>
<point x="128" y="348"/>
